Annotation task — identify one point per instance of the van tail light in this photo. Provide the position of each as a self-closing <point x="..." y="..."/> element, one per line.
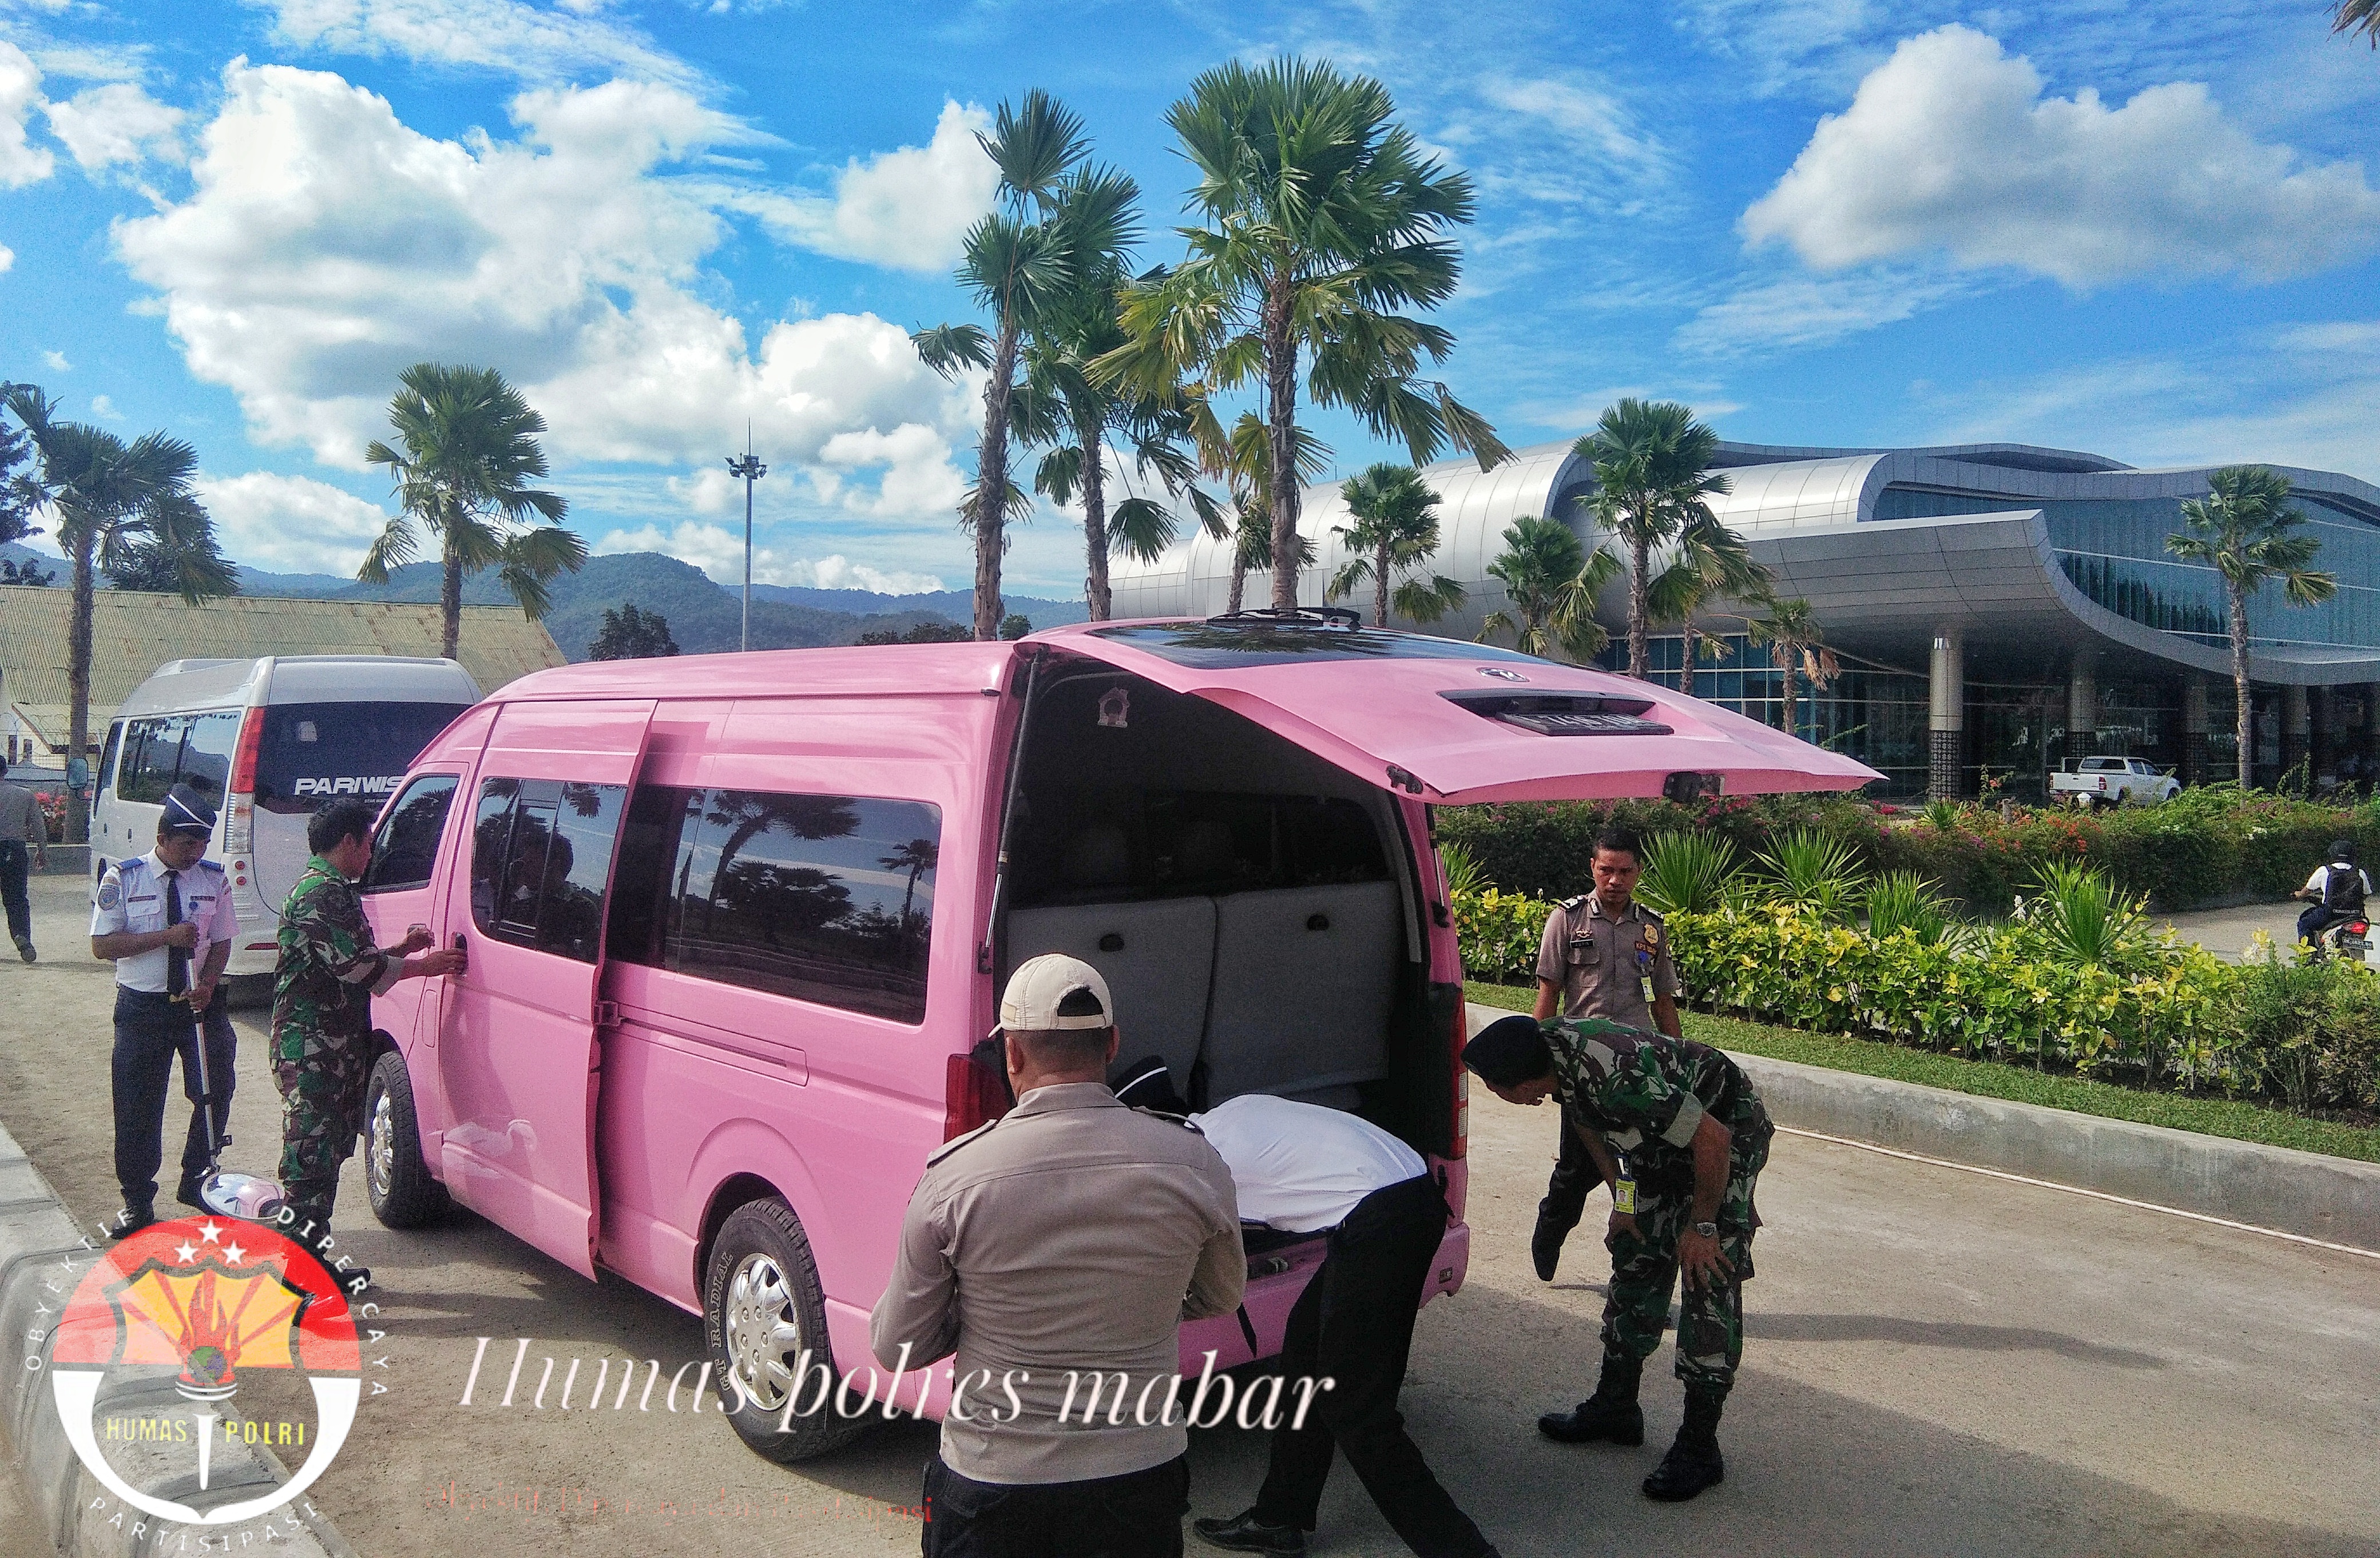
<point x="243" y="759"/>
<point x="1462" y="1145"/>
<point x="971" y="1096"/>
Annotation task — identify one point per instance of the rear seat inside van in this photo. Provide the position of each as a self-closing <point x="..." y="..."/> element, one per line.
<point x="1236" y="893"/>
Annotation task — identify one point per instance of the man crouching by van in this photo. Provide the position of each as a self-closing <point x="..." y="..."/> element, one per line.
<point x="1073" y="1234"/>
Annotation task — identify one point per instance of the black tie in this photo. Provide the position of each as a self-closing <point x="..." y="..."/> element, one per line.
<point x="177" y="960"/>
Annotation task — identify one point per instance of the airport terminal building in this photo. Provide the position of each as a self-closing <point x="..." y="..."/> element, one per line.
<point x="1998" y="609"/>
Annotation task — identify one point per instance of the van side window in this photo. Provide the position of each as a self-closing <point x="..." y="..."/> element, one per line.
<point x="406" y="846"/>
<point x="207" y="747"/>
<point x="107" y="755"/>
<point x="541" y="856"/>
<point x="152" y="749"/>
<point x="820" y="898"/>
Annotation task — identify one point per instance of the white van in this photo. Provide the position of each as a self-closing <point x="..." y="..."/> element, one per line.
<point x="269" y="742"/>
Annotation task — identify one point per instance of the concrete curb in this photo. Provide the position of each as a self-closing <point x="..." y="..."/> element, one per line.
<point x="2333" y="1198"/>
<point x="42" y="1254"/>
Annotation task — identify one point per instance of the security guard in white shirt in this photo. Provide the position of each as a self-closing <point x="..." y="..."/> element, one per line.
<point x="166" y="919"/>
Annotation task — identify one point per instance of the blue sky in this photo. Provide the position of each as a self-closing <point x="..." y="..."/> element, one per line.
<point x="2142" y="229"/>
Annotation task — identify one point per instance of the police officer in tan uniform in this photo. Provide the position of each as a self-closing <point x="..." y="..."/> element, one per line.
<point x="1604" y="955"/>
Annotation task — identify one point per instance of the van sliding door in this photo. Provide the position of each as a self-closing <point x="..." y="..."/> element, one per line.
<point x="518" y="1036"/>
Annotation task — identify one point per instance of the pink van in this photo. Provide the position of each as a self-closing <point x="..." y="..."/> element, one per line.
<point x="735" y="921"/>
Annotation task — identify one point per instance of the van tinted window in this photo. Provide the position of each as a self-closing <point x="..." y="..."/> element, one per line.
<point x="822" y="897"/>
<point x="406" y="845"/>
<point x="208" y="741"/>
<point x="152" y="748"/>
<point x="541" y="856"/>
<point x="312" y="754"/>
<point x="107" y="757"/>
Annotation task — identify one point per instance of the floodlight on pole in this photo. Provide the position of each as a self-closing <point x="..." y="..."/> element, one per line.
<point x="749" y="467"/>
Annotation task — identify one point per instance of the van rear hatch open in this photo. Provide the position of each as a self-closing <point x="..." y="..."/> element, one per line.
<point x="1456" y="723"/>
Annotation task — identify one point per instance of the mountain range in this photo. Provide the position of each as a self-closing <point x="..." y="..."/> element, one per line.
<point x="704" y="616"/>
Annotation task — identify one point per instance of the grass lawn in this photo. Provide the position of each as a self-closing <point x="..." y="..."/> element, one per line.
<point x="1986" y="1079"/>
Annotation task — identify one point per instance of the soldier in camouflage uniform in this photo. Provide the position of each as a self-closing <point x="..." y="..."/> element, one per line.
<point x="321" y="1010"/>
<point x="1694" y="1136"/>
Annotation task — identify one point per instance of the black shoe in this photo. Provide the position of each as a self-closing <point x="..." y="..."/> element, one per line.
<point x="1244" y="1533"/>
<point x="1686" y="1471"/>
<point x="1617" y="1422"/>
<point x="25" y="951"/>
<point x="1546" y="1245"/>
<point x="129" y="1221"/>
<point x="187" y="1194"/>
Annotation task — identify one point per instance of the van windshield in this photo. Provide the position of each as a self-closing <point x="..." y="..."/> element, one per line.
<point x="312" y="754"/>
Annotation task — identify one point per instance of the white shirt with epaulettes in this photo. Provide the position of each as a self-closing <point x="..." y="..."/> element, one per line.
<point x="132" y="897"/>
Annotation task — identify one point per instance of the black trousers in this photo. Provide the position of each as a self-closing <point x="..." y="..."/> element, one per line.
<point x="1354" y="1324"/>
<point x="1137" y="1514"/>
<point x="149" y="1032"/>
<point x="1574" y="1179"/>
<point x="13" y="861"/>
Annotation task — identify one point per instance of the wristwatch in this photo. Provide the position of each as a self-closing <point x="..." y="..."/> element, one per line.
<point x="1707" y="1230"/>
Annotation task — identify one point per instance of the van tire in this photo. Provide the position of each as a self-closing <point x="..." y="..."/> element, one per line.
<point x="759" y="1280"/>
<point x="403" y="1193"/>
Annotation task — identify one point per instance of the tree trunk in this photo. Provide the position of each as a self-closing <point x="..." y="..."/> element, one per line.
<point x="78" y="830"/>
<point x="1280" y="382"/>
<point x="1096" y="593"/>
<point x="991" y="484"/>
<point x="2245" y="711"/>
<point x="1791" y="655"/>
<point x="1640" y="606"/>
<point x="1380" y="593"/>
<point x="1239" y="583"/>
<point x="449" y="603"/>
<point x="1693" y="647"/>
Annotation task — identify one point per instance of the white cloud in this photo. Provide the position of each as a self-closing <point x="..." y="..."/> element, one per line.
<point x="908" y="207"/>
<point x="119" y="123"/>
<point x="1811" y="310"/>
<point x="1589" y="120"/>
<point x="21" y="162"/>
<point x="719" y="552"/>
<point x="503" y="35"/>
<point x="57" y="361"/>
<point x="290" y="523"/>
<point x="105" y="409"/>
<point x="7" y="257"/>
<point x="1950" y="146"/>
<point x="325" y="245"/>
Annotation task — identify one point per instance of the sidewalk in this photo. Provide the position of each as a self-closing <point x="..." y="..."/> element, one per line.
<point x="2227" y="932"/>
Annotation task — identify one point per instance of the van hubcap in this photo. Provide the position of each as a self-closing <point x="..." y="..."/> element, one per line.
<point x="764" y="1335"/>
<point x="380" y="1156"/>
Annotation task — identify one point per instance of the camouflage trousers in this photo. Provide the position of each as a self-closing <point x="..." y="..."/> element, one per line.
<point x="1645" y="1271"/>
<point x="322" y="1110"/>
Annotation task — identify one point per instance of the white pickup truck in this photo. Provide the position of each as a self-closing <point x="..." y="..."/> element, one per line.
<point x="2111" y="781"/>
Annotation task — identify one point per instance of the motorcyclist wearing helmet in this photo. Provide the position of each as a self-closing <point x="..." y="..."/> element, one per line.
<point x="2336" y="891"/>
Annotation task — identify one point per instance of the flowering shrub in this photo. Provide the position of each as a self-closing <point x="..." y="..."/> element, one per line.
<point x="53" y="803"/>
<point x="2175" y="1017"/>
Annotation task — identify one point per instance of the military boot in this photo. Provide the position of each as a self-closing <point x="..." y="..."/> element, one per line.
<point x="1612" y="1413"/>
<point x="1692" y="1463"/>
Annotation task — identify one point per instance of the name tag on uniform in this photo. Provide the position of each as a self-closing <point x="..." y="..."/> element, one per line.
<point x="142" y="897"/>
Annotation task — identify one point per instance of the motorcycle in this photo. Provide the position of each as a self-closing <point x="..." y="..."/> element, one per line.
<point x="2346" y="941"/>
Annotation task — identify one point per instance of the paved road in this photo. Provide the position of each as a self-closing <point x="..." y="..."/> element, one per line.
<point x="1940" y="1364"/>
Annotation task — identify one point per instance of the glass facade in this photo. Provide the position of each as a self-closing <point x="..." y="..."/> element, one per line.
<point x="2113" y="549"/>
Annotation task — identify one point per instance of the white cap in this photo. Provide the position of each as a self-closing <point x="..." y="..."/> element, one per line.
<point x="1040" y="985"/>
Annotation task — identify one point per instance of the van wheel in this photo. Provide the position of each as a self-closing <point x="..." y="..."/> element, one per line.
<point x="765" y="1320"/>
<point x="403" y="1193"/>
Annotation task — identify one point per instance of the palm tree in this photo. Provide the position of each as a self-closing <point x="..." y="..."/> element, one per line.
<point x="1791" y="628"/>
<point x="113" y="500"/>
<point x="1060" y="403"/>
<point x="915" y="857"/>
<point x="1554" y="583"/>
<point x="1015" y="263"/>
<point x="1710" y="562"/>
<point x="1395" y="532"/>
<point x="1243" y="460"/>
<point x="1322" y="218"/>
<point x="471" y="451"/>
<point x="1652" y="476"/>
<point x="2245" y="530"/>
<point x="2352" y="17"/>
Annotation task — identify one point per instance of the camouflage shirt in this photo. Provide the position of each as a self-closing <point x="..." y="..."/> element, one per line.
<point x="329" y="967"/>
<point x="1645" y="1093"/>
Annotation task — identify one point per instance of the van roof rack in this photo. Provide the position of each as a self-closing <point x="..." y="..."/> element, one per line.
<point x="1303" y="616"/>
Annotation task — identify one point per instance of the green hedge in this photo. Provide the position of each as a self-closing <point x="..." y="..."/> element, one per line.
<point x="2308" y="1037"/>
<point x="2207" y="845"/>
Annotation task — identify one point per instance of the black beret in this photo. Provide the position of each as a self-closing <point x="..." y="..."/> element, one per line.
<point x="1509" y="1051"/>
<point x="187" y="811"/>
<point x="1148" y="1084"/>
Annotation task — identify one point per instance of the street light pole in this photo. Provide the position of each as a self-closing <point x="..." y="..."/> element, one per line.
<point x="751" y="470"/>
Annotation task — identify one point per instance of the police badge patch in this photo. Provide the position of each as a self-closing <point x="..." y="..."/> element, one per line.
<point x="110" y="895"/>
